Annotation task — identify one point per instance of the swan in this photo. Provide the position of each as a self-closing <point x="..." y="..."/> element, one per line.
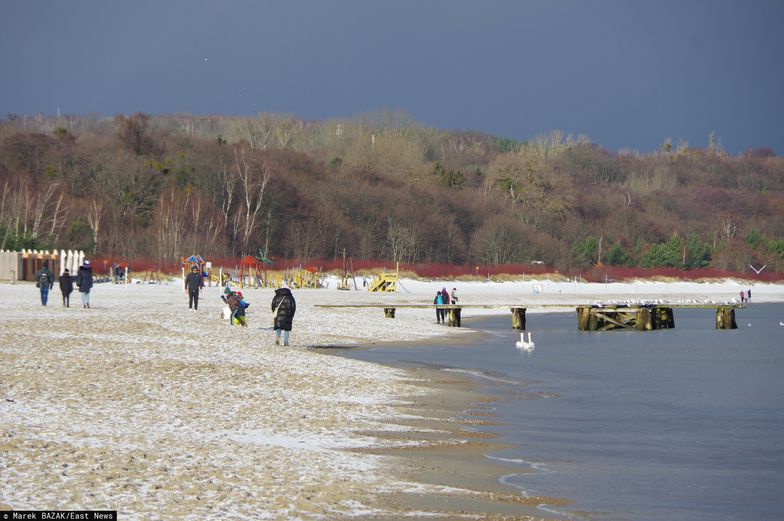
<point x="522" y="344"/>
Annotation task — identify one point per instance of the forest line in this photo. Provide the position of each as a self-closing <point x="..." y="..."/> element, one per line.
<point x="383" y="187"/>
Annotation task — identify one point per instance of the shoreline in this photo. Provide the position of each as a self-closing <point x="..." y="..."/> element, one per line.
<point x="143" y="406"/>
<point x="453" y="463"/>
<point x="455" y="456"/>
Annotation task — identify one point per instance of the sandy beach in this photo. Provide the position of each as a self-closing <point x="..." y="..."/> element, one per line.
<point x="143" y="406"/>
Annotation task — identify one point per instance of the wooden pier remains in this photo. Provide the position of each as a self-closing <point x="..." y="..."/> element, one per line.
<point x="633" y="317"/>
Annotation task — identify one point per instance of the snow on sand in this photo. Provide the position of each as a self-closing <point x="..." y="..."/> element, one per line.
<point x="143" y="406"/>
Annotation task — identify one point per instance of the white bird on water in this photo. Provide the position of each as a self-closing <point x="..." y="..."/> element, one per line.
<point x="522" y="344"/>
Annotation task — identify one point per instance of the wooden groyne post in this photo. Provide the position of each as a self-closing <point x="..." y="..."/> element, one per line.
<point x="453" y="316"/>
<point x="644" y="319"/>
<point x="518" y="318"/>
<point x="636" y="317"/>
<point x="725" y="318"/>
<point x="666" y="317"/>
<point x="586" y="321"/>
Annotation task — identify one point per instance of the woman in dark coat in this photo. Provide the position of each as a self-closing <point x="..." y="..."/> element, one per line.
<point x="66" y="287"/>
<point x="84" y="279"/>
<point x="284" y="306"/>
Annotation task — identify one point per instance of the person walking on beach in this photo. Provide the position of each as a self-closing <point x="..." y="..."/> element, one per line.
<point x="453" y="295"/>
<point x="440" y="312"/>
<point x="237" y="306"/>
<point x="283" y="306"/>
<point x="84" y="279"/>
<point x="44" y="280"/>
<point x="193" y="284"/>
<point x="66" y="287"/>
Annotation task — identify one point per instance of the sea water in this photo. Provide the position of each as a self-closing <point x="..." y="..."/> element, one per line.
<point x="681" y="424"/>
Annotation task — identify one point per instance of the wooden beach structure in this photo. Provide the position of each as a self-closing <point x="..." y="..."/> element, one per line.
<point x="385" y="282"/>
<point x="639" y="318"/>
<point x="632" y="317"/>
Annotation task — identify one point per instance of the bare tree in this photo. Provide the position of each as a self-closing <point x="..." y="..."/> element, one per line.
<point x="171" y="223"/>
<point x="30" y="211"/>
<point x="402" y="241"/>
<point x="302" y="239"/>
<point x="728" y="227"/>
<point x="95" y="216"/>
<point x="266" y="131"/>
<point x="227" y="180"/>
<point x="258" y="132"/>
<point x="58" y="217"/>
<point x="253" y="180"/>
<point x="286" y="128"/>
<point x="496" y="242"/>
<point x="208" y="226"/>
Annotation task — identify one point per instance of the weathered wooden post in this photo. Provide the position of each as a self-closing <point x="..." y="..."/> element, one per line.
<point x="594" y="322"/>
<point x="389" y="312"/>
<point x="518" y="318"/>
<point x="644" y="319"/>
<point x="665" y="319"/>
<point x="725" y="318"/>
<point x="583" y="318"/>
<point x="453" y="317"/>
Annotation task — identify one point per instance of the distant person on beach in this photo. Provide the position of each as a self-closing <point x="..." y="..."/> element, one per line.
<point x="742" y="296"/>
<point x="44" y="280"/>
<point x="84" y="279"/>
<point x="283" y="307"/>
<point x="440" y="312"/>
<point x="748" y="296"/>
<point x="453" y="295"/>
<point x="193" y="284"/>
<point x="445" y="293"/>
<point x="66" y="287"/>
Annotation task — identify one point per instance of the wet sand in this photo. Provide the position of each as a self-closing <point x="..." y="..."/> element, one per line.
<point x="461" y="482"/>
<point x="145" y="407"/>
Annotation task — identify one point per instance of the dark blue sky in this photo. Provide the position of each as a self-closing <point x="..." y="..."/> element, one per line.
<point x="628" y="74"/>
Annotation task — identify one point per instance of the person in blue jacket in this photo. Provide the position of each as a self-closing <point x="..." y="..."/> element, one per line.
<point x="440" y="312"/>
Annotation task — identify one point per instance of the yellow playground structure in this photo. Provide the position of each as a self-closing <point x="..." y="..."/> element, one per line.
<point x="309" y="277"/>
<point x="386" y="282"/>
